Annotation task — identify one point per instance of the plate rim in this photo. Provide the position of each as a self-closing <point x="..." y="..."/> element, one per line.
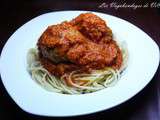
<point x="5" y="47"/>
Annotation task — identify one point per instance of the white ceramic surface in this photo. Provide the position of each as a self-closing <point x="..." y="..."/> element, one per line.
<point x="143" y="63"/>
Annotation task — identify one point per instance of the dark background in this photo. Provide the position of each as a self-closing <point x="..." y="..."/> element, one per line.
<point x="144" y="106"/>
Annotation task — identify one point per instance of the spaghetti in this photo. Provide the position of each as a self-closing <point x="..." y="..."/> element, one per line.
<point x="83" y="83"/>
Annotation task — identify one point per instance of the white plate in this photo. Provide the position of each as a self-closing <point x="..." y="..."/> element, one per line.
<point x="143" y="63"/>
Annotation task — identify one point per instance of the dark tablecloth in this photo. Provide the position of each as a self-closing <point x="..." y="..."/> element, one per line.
<point x="144" y="106"/>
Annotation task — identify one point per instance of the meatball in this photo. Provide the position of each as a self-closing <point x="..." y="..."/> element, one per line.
<point x="92" y="27"/>
<point x="57" y="40"/>
<point x="92" y="55"/>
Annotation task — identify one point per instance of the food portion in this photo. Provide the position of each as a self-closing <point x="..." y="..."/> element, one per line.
<point x="57" y="40"/>
<point x="92" y="27"/>
<point x="77" y="56"/>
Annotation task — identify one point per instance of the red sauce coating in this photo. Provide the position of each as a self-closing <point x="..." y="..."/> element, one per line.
<point x="85" y="43"/>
